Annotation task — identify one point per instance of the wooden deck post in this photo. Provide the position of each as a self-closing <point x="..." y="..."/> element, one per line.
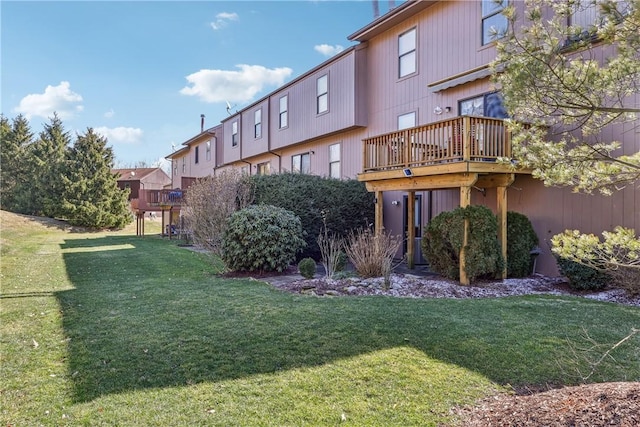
<point x="502" y="224"/>
<point x="501" y="196"/>
<point x="465" y="200"/>
<point x="411" y="229"/>
<point x="379" y="219"/>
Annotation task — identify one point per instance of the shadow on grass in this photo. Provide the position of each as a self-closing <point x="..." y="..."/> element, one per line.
<point x="145" y="314"/>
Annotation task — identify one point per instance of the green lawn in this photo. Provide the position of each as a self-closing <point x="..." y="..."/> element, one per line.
<point x="113" y="329"/>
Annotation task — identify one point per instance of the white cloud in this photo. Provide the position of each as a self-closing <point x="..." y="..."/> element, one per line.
<point x="59" y="99"/>
<point x="234" y="86"/>
<point x="223" y="19"/>
<point x="109" y="114"/>
<point x="328" y="50"/>
<point x="120" y="135"/>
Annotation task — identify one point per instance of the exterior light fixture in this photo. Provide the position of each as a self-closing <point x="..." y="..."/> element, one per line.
<point x="407" y="172"/>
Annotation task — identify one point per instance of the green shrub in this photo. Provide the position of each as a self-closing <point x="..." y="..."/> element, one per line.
<point x="262" y="238"/>
<point x="582" y="277"/>
<point x="521" y="239"/>
<point x="345" y="204"/>
<point x="307" y="268"/>
<point x="443" y="239"/>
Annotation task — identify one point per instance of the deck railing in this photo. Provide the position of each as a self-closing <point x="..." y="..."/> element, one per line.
<point x="463" y="138"/>
<point x="160" y="198"/>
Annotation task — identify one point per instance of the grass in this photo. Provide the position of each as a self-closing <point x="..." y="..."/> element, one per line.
<point x="113" y="329"/>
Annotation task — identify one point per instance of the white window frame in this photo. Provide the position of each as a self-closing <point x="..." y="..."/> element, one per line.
<point x="208" y="150"/>
<point x="234" y="134"/>
<point x="491" y="15"/>
<point x="283" y="117"/>
<point x="322" y="94"/>
<point x="408" y="53"/>
<point x="334" y="161"/>
<point x="407" y="121"/>
<point x="257" y="123"/>
<point x="184" y="164"/>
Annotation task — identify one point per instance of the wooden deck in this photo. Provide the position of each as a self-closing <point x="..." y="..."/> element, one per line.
<point x="461" y="153"/>
<point x="456" y="146"/>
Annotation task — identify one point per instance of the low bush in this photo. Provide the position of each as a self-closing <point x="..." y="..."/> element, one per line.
<point x="307" y="268"/>
<point x="443" y="240"/>
<point x="323" y="204"/>
<point x="262" y="238"/>
<point x="521" y="239"/>
<point x="582" y="277"/>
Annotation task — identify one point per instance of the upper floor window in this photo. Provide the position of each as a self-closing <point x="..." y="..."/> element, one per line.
<point x="407" y="58"/>
<point x="487" y="105"/>
<point x="234" y="133"/>
<point x="175" y="167"/>
<point x="197" y="155"/>
<point x="407" y="121"/>
<point x="494" y="23"/>
<point x="184" y="164"/>
<point x="301" y="163"/>
<point x="257" y="123"/>
<point x="264" y="168"/>
<point x="284" y="112"/>
<point x="322" y="94"/>
<point x="208" y="150"/>
<point x="587" y="14"/>
<point x="334" y="161"/>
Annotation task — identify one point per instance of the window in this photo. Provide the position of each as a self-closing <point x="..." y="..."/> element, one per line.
<point x="407" y="121"/>
<point x="208" y="150"/>
<point x="322" y="94"/>
<point x="487" y="105"/>
<point x="264" y="168"/>
<point x="175" y="167"/>
<point x="407" y="53"/>
<point x="284" y="112"/>
<point x="494" y="23"/>
<point x="257" y="123"/>
<point x="197" y="154"/>
<point x="587" y="15"/>
<point x="184" y="164"/>
<point x="234" y="133"/>
<point x="301" y="163"/>
<point x="334" y="161"/>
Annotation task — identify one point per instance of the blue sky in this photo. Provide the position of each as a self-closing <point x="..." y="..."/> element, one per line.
<point x="142" y="72"/>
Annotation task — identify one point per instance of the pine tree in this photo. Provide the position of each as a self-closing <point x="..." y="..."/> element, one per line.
<point x="91" y="195"/>
<point x="15" y="179"/>
<point x="47" y="162"/>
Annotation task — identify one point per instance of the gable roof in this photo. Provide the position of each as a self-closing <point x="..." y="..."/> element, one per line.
<point x="133" y="174"/>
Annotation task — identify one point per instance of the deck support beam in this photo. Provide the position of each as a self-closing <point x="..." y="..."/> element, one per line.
<point x="501" y="211"/>
<point x="465" y="200"/>
<point x="379" y="209"/>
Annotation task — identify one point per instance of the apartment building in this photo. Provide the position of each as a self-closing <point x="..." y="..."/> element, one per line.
<point x="409" y="110"/>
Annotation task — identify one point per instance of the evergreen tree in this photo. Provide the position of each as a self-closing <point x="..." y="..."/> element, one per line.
<point x="15" y="179"/>
<point x="47" y="162"/>
<point x="551" y="77"/>
<point x="91" y="196"/>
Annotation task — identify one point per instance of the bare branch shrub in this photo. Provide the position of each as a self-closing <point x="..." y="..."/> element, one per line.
<point x="594" y="354"/>
<point x="371" y="254"/>
<point x="210" y="201"/>
<point x="330" y="250"/>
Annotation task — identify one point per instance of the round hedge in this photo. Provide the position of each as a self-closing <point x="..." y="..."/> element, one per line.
<point x="262" y="238"/>
<point x="443" y="240"/>
<point x="521" y="239"/>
